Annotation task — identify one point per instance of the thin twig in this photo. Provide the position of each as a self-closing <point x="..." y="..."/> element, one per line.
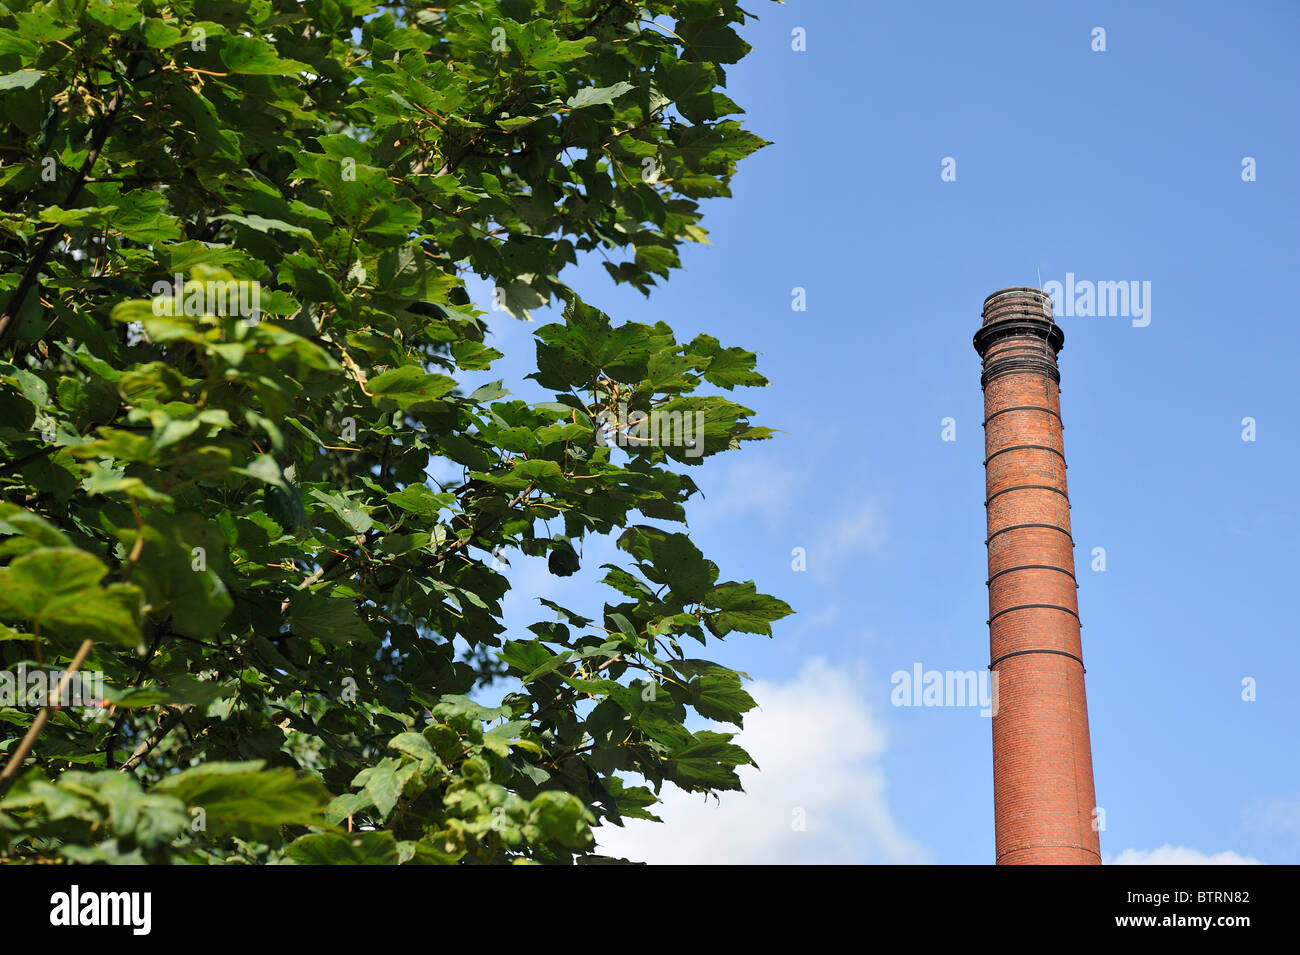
<point x="52" y="235"/>
<point x="168" y="723"/>
<point x="11" y="768"/>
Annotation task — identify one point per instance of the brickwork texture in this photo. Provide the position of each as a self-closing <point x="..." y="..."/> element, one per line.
<point x="1043" y="793"/>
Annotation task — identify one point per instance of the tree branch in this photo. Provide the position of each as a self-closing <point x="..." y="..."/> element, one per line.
<point x="168" y="723"/>
<point x="29" y="739"/>
<point x="37" y="263"/>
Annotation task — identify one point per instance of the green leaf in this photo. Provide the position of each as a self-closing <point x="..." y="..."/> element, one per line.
<point x="597" y="95"/>
<point x="160" y="35"/>
<point x="671" y="559"/>
<point x="118" y="15"/>
<point x="743" y="608"/>
<point x="264" y="468"/>
<point x="726" y="367"/>
<point x="707" y="762"/>
<point x="399" y="218"/>
<point x="247" y="800"/>
<point x="23" y="79"/>
<point x="243" y="54"/>
<point x="264" y="225"/>
<point x="716" y="693"/>
<point x="414" y="745"/>
<point x="409" y="387"/>
<point x="57" y="589"/>
<point x="356" y="848"/>
<point x="335" y="622"/>
<point x="418" y="499"/>
<point x="178" y="562"/>
<point x="562" y="817"/>
<point x="384" y="784"/>
<point x="349" y="512"/>
<point x="519" y="298"/>
<point x="18" y="520"/>
<point x="712" y="39"/>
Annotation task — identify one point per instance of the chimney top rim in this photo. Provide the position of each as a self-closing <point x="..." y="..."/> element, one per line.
<point x="1017" y="288"/>
<point x="1019" y="302"/>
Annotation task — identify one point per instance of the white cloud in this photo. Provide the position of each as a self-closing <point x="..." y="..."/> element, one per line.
<point x="819" y="745"/>
<point x="1179" y="855"/>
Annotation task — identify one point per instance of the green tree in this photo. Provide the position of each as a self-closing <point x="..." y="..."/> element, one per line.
<point x="220" y="496"/>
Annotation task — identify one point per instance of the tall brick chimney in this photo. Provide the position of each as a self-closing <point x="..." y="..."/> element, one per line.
<point x="1043" y="796"/>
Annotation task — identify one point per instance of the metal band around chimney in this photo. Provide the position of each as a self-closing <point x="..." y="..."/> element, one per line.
<point x="1016" y="527"/>
<point x="1024" y="447"/>
<point x="1023" y="408"/>
<point x="1027" y="487"/>
<point x="1019" y="324"/>
<point x="1007" y="570"/>
<point x="1032" y="607"/>
<point x="1012" y="366"/>
<point x="1045" y="845"/>
<point x="1020" y="653"/>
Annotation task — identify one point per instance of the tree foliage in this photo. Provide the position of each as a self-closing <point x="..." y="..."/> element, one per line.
<point x="280" y="537"/>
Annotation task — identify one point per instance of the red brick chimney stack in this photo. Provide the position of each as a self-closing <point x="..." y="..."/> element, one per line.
<point x="1043" y="795"/>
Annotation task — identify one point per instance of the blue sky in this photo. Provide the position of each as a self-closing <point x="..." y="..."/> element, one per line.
<point x="1119" y="165"/>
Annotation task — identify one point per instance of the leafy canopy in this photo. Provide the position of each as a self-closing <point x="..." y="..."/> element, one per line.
<point x="282" y="533"/>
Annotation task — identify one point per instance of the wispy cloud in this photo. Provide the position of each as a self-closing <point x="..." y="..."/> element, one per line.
<point x="1274" y="815"/>
<point x="1179" y="855"/>
<point x="754" y="484"/>
<point x="861" y="528"/>
<point x="820" y="796"/>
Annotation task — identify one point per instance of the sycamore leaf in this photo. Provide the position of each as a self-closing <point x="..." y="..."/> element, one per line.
<point x="247" y="800"/>
<point x="409" y="387"/>
<point x="743" y="608"/>
<point x="354" y="848"/>
<point x="262" y="224"/>
<point x="21" y="80"/>
<point x="56" y="589"/>
<point x="597" y="95"/>
<point x="245" y="54"/>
